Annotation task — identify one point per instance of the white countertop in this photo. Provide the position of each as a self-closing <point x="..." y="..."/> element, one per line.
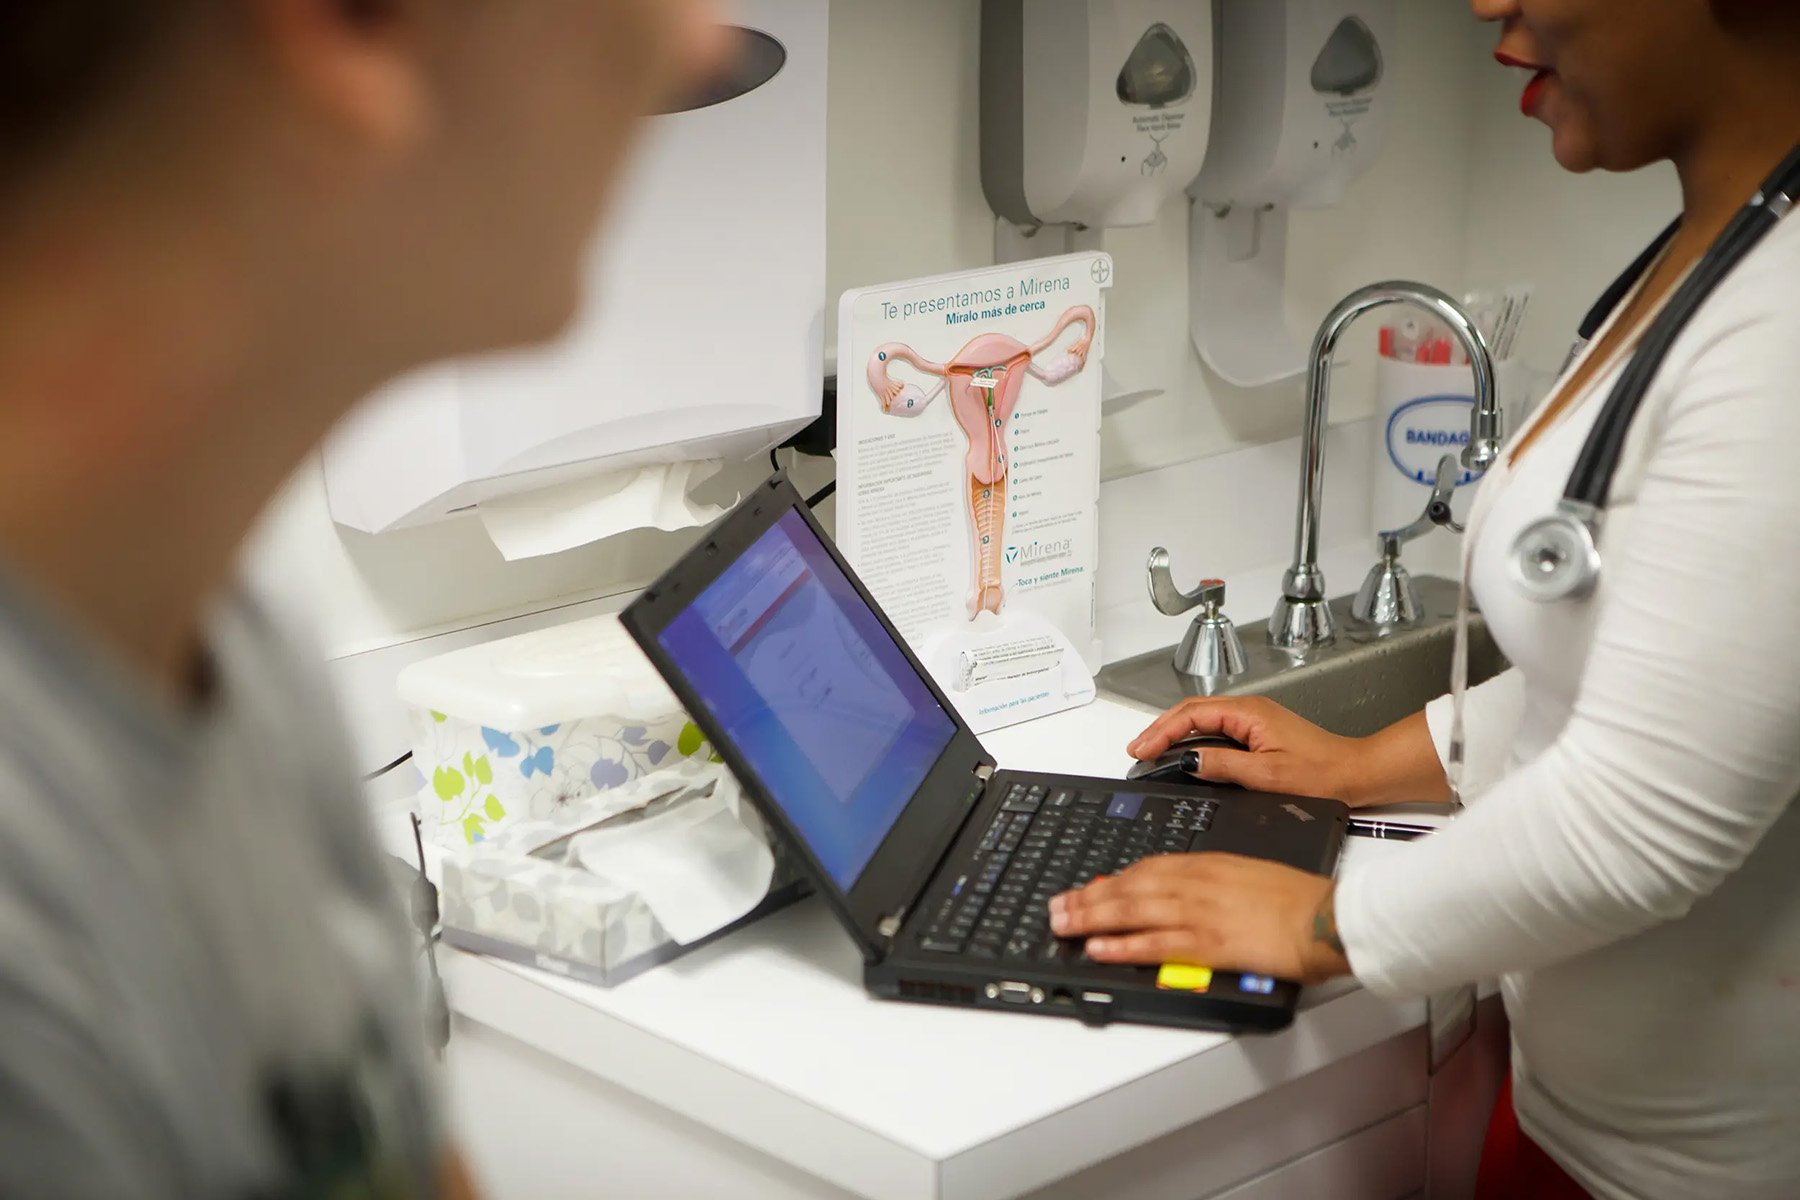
<point x="769" y="1038"/>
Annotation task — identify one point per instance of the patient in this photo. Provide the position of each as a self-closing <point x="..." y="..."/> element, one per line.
<point x="220" y="225"/>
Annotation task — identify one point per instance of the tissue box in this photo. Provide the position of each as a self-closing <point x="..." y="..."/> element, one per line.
<point x="520" y="895"/>
<point x="523" y="727"/>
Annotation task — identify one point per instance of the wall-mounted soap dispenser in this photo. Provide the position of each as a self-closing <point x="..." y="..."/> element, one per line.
<point x="1093" y="112"/>
<point x="1094" y="115"/>
<point x="1302" y="111"/>
<point x="703" y="331"/>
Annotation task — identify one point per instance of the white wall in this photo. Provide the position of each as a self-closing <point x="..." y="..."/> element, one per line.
<point x="906" y="200"/>
<point x="1530" y="220"/>
<point x="1465" y="194"/>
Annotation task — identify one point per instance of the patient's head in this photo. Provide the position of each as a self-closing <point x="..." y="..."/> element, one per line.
<point x="399" y="179"/>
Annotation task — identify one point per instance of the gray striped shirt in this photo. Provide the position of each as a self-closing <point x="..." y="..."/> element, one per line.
<point x="204" y="989"/>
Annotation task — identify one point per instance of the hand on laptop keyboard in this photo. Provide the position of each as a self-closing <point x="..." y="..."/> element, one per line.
<point x="1042" y="842"/>
<point x="1232" y="913"/>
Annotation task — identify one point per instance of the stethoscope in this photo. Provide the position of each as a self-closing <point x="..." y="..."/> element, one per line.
<point x="1558" y="556"/>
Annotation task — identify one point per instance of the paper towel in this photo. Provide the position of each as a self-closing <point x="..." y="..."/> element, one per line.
<point x="697" y="866"/>
<point x="554" y="519"/>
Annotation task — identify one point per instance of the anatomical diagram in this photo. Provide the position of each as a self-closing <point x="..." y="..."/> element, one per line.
<point x="984" y="379"/>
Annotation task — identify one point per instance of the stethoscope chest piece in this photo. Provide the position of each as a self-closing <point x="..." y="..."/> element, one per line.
<point x="1557" y="557"/>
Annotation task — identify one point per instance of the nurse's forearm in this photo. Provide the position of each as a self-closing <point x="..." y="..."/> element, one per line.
<point x="1399" y="765"/>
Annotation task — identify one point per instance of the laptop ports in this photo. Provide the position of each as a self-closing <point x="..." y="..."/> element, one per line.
<point x="1015" y="993"/>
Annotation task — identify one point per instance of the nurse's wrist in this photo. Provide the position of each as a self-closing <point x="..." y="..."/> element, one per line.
<point x="1398" y="765"/>
<point x="1358" y="782"/>
<point x="1362" y="779"/>
<point x="1323" y="956"/>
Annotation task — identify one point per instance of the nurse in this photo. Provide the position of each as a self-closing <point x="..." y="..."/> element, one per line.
<point x="1629" y="862"/>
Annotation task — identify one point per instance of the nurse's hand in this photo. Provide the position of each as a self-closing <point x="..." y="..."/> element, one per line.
<point x="1284" y="753"/>
<point x="1215" y="910"/>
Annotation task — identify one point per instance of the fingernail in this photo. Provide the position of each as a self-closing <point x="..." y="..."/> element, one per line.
<point x="1096" y="947"/>
<point x="1059" y="905"/>
<point x="1190" y="762"/>
<point x="1059" y="922"/>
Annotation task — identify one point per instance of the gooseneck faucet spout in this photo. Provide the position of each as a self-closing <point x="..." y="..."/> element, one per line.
<point x="1302" y="617"/>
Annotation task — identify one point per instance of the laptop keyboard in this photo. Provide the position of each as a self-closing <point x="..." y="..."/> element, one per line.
<point x="1042" y="842"/>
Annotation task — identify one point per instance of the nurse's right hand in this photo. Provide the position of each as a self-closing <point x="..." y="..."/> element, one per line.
<point x="1287" y="753"/>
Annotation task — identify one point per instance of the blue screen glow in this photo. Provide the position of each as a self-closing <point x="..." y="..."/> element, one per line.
<point x="797" y="673"/>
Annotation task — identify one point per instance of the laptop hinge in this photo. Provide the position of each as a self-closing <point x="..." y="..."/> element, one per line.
<point x="889" y="926"/>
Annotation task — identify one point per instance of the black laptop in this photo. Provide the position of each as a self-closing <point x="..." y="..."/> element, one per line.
<point x="940" y="867"/>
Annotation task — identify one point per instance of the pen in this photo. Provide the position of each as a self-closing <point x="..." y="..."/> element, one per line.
<point x="1388" y="831"/>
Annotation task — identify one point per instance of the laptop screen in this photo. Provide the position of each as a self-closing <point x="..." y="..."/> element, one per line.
<point x="799" y="674"/>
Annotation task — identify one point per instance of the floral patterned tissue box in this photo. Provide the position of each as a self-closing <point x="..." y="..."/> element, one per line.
<point x="481" y="780"/>
<point x="517" y="895"/>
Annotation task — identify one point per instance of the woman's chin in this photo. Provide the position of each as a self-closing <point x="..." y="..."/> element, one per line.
<point x="1575" y="152"/>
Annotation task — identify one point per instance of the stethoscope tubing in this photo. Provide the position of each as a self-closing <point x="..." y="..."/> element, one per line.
<point x="1558" y="556"/>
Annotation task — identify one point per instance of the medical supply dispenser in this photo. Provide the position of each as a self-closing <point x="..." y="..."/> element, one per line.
<point x="1303" y="93"/>
<point x="1093" y="112"/>
<point x="702" y="334"/>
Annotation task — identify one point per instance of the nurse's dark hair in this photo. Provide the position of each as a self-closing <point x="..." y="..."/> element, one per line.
<point x="62" y="61"/>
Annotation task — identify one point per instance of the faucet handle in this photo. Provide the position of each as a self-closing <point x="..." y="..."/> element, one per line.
<point x="1438" y="511"/>
<point x="1443" y="492"/>
<point x="1387" y="597"/>
<point x="1170" y="600"/>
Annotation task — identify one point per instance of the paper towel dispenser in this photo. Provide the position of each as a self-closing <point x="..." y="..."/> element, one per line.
<point x="756" y="59"/>
<point x="702" y="333"/>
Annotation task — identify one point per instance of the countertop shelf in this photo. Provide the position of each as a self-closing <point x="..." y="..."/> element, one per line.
<point x="768" y="1038"/>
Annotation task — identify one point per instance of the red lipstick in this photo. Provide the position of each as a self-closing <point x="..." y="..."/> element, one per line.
<point x="1534" y="91"/>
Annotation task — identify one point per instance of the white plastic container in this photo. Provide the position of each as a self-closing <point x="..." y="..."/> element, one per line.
<point x="1422" y="413"/>
<point x="521" y="728"/>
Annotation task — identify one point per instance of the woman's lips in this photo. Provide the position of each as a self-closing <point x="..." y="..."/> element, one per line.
<point x="1534" y="91"/>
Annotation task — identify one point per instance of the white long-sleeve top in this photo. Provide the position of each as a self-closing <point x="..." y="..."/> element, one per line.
<point x="1630" y="862"/>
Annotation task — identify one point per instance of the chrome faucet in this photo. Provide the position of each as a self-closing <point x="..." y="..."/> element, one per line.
<point x="1302" y="617"/>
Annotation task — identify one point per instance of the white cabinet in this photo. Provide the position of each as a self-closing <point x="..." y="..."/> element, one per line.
<point x="1386" y="1162"/>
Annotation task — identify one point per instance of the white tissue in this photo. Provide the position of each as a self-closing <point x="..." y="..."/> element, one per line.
<point x="554" y="519"/>
<point x="697" y="866"/>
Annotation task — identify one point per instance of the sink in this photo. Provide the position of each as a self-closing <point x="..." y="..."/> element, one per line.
<point x="1363" y="682"/>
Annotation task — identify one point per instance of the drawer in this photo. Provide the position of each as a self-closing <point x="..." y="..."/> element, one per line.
<point x="1385" y="1162"/>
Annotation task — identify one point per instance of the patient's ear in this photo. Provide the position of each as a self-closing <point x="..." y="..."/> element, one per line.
<point x="355" y="64"/>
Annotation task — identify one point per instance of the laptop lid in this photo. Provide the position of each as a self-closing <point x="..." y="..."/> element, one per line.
<point x="813" y="699"/>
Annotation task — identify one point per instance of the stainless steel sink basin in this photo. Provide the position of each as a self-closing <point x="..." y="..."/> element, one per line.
<point x="1363" y="682"/>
